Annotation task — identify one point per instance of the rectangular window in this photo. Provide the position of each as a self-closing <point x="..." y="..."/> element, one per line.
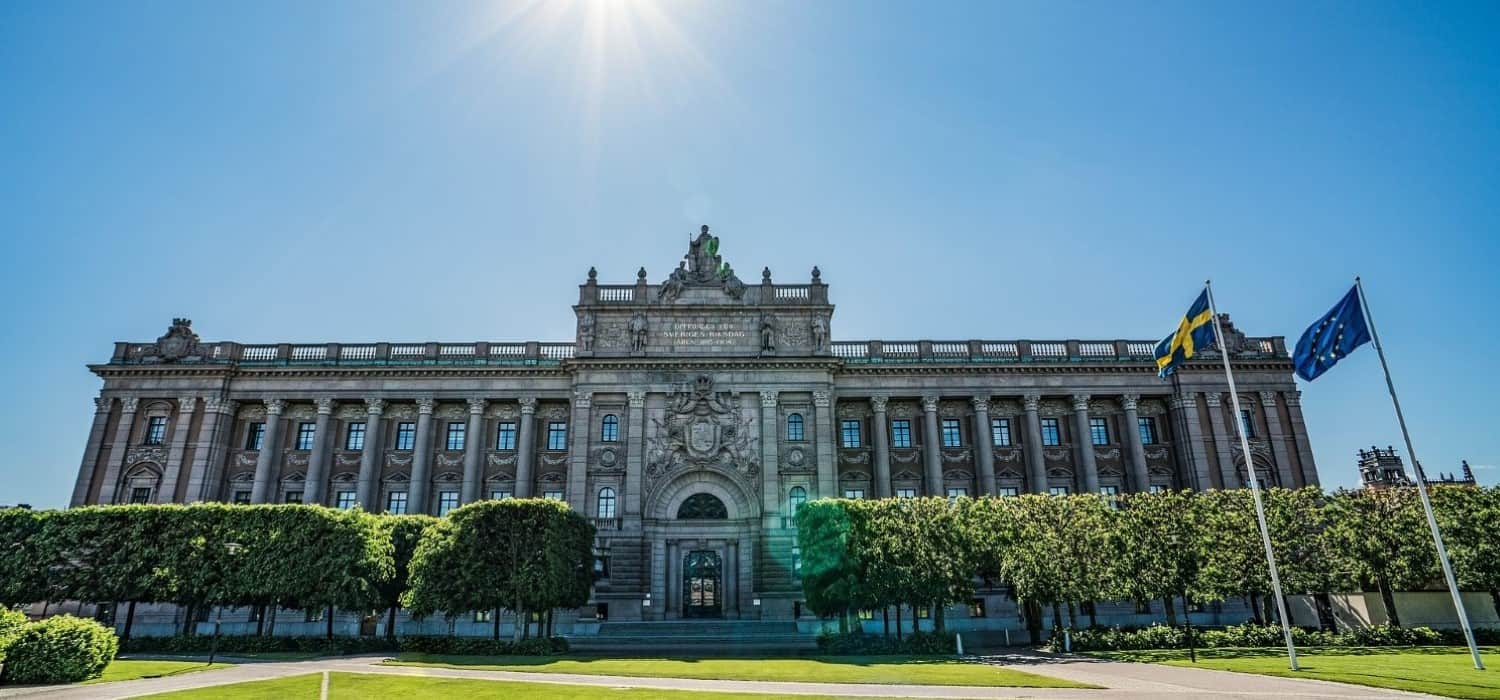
<point x="552" y="495"/>
<point x="254" y="434"/>
<point x="406" y="436"/>
<point x="951" y="436"/>
<point x="1147" y="426"/>
<point x="242" y="497"/>
<point x="849" y="433"/>
<point x="1058" y="490"/>
<point x="906" y="493"/>
<point x="499" y="495"/>
<point x="355" y="438"/>
<point x="140" y="494"/>
<point x="505" y="437"/>
<point x="305" y="434"/>
<point x="1009" y="491"/>
<point x="1247" y="422"/>
<point x="447" y="500"/>
<point x="293" y="497"/>
<point x="557" y="435"/>
<point x="156" y="430"/>
<point x="1000" y="431"/>
<point x="959" y="492"/>
<point x="345" y="500"/>
<point x="1099" y="431"/>
<point x="1051" y="435"/>
<point x="854" y="493"/>
<point x="455" y="437"/>
<point x="395" y="503"/>
<point x="901" y="433"/>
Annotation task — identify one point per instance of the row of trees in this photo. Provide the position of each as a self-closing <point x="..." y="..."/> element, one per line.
<point x="289" y="556"/>
<point x="1066" y="551"/>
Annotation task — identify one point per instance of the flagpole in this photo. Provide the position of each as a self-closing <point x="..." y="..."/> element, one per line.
<point x="1260" y="511"/>
<point x="1437" y="537"/>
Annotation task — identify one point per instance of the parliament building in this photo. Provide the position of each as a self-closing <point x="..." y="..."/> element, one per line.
<point x="687" y="419"/>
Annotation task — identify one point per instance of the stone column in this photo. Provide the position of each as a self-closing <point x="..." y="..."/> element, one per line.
<point x="1226" y="440"/>
<point x="578" y="451"/>
<point x="1036" y="467"/>
<point x="371" y="459"/>
<point x="984" y="445"/>
<point x="1140" y="476"/>
<point x="473" y="452"/>
<point x="186" y="407"/>
<point x="635" y="457"/>
<point x="1085" y="444"/>
<point x="932" y="447"/>
<point x="1299" y="436"/>
<point x="526" y="447"/>
<point x="1186" y="409"/>
<point x="315" y="489"/>
<point x="827" y="476"/>
<point x="213" y="448"/>
<point x="1277" y="437"/>
<point x="267" y="462"/>
<point x="119" y="449"/>
<point x="102" y="406"/>
<point x="770" y="460"/>
<point x="880" y="431"/>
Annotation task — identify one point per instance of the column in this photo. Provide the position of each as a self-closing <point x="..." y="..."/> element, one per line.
<point x="578" y="451"/>
<point x="370" y="459"/>
<point x="770" y="460"/>
<point x="214" y="435"/>
<point x="186" y="406"/>
<point x="880" y="429"/>
<point x="635" y="456"/>
<point x="102" y="407"/>
<point x="1277" y="437"/>
<point x="473" y="453"/>
<point x="1086" y="463"/>
<point x="1226" y="441"/>
<point x="1185" y="408"/>
<point x="1036" y="468"/>
<point x="1299" y="436"/>
<point x="119" y="449"/>
<point x="418" y="501"/>
<point x="984" y="445"/>
<point x="931" y="447"/>
<point x="269" y="458"/>
<point x="827" y="478"/>
<point x="1140" y="476"/>
<point x="526" y="447"/>
<point x="315" y="489"/>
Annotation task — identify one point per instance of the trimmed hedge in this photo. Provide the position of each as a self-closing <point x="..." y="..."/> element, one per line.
<point x="346" y="645"/>
<point x="861" y="644"/>
<point x="1246" y="635"/>
<point x="11" y="624"/>
<point x="61" y="649"/>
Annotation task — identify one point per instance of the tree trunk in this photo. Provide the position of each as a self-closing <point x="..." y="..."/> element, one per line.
<point x="1255" y="609"/>
<point x="1388" y="597"/>
<point x="390" y="623"/>
<point x="885" y="615"/>
<point x="1171" y="609"/>
<point x="129" y="619"/>
<point x="898" y="622"/>
<point x="328" y="620"/>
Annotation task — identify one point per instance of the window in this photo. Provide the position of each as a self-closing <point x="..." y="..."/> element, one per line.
<point x="1157" y="488"/>
<point x="1050" y="434"/>
<point x="355" y="438"/>
<point x="447" y="500"/>
<point x="1247" y="422"/>
<point x="795" y="498"/>
<point x="344" y="500"/>
<point x="794" y="427"/>
<point x="395" y="503"/>
<point x="1098" y="431"/>
<point x="849" y="433"/>
<point x="606" y="503"/>
<point x="552" y="495"/>
<point x="1147" y="426"/>
<point x="156" y="430"/>
<point x="1111" y="495"/>
<point x="305" y="434"/>
<point x="906" y="493"/>
<point x="293" y="497"/>
<point x="253" y="435"/>
<point x="957" y="493"/>
<point x="483" y="615"/>
<point x="1000" y="431"/>
<point x="406" y="436"/>
<point x="976" y="607"/>
<point x="1009" y="491"/>
<point x="901" y="433"/>
<point x="951" y="437"/>
<point x="455" y="436"/>
<point x="854" y="493"/>
<point x="140" y="494"/>
<point x="505" y="437"/>
<point x="499" y="495"/>
<point x="609" y="431"/>
<point x="557" y="435"/>
<point x="1058" y="490"/>
<point x="241" y="497"/>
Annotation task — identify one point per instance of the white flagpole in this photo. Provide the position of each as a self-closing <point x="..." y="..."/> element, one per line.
<point x="1437" y="537"/>
<point x="1260" y="511"/>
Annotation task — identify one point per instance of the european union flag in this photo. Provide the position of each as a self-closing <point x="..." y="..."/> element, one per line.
<point x="1330" y="338"/>
<point x="1195" y="331"/>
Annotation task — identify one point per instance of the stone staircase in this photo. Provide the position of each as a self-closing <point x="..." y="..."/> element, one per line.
<point x="703" y="637"/>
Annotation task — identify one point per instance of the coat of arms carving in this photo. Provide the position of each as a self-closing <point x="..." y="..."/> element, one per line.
<point x="702" y="427"/>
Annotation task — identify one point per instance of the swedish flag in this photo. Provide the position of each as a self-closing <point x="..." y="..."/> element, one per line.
<point x="1195" y="331"/>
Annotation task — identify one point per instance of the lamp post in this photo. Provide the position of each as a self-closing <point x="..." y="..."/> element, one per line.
<point x="232" y="548"/>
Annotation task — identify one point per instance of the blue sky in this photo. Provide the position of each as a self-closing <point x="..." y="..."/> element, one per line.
<point x="410" y="171"/>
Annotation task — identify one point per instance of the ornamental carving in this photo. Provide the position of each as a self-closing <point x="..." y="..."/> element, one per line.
<point x="702" y="427"/>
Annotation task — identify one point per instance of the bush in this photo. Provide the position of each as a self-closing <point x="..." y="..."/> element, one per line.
<point x="859" y="643"/>
<point x="61" y="649"/>
<point x="11" y="624"/>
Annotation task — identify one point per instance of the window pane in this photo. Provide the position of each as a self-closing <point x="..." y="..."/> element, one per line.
<point x="355" y="440"/>
<point x="557" y="436"/>
<point x="901" y="433"/>
<point x="305" y="434"/>
<point x="849" y="433"/>
<point x="1099" y="431"/>
<point x="1050" y="434"/>
<point x="406" y="436"/>
<point x="794" y="427"/>
<point x="505" y="437"/>
<point x="1000" y="431"/>
<point x="951" y="433"/>
<point x="456" y="436"/>
<point x="610" y="430"/>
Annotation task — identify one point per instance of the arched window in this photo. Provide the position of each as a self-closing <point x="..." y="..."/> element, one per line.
<point x="702" y="506"/>
<point x="797" y="497"/>
<point x="610" y="430"/>
<point x="794" y="427"/>
<point x="606" y="507"/>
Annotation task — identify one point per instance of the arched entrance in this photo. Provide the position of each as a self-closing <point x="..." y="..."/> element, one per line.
<point x="702" y="584"/>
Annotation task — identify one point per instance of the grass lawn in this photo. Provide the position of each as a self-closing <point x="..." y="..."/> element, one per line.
<point x="352" y="686"/>
<point x="1436" y="670"/>
<point x="128" y="669"/>
<point x="830" y="669"/>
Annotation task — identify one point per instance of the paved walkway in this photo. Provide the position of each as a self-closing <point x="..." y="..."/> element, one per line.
<point x="1122" y="681"/>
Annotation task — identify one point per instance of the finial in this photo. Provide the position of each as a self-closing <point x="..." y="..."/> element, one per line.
<point x="817" y="274"/>
<point x="593" y="274"/>
<point x="641" y="273"/>
<point x="765" y="276"/>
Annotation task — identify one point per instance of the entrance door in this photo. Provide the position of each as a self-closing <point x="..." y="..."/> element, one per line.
<point x="702" y="584"/>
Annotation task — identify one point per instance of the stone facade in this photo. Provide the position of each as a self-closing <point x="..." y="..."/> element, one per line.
<point x="687" y="419"/>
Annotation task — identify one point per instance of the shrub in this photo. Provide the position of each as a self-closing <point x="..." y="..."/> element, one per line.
<point x="11" y="624"/>
<point x="61" y="649"/>
<point x="859" y="643"/>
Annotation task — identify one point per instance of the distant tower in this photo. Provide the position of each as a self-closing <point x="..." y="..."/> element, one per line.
<point x="1380" y="469"/>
